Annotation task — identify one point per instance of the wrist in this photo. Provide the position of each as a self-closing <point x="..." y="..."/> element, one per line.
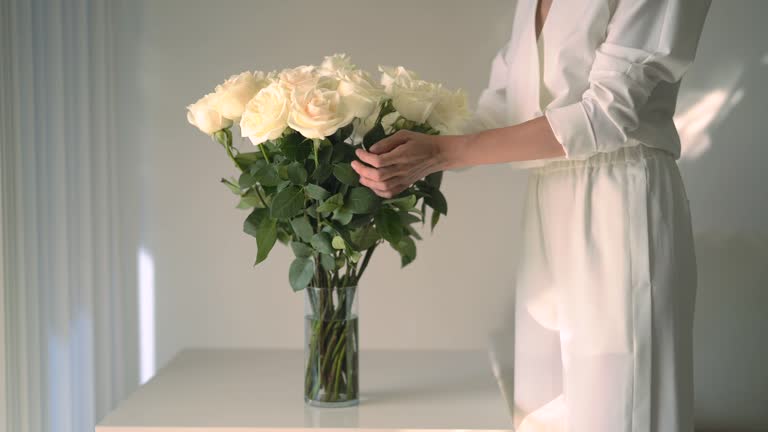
<point x="451" y="150"/>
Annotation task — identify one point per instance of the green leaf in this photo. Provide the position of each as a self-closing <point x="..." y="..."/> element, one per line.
<point x="342" y="215"/>
<point x="249" y="158"/>
<point x="407" y="249"/>
<point x="322" y="172"/>
<point x="354" y="256"/>
<point x="256" y="166"/>
<point x="300" y="273"/>
<point x="362" y="200"/>
<point x="345" y="174"/>
<point x="331" y="204"/>
<point x="328" y="262"/>
<point x="412" y="232"/>
<point x="344" y="233"/>
<point x="251" y="224"/>
<point x="434" y="179"/>
<point x="360" y="220"/>
<point x="264" y="228"/>
<point x="296" y="147"/>
<point x="373" y="136"/>
<point x="322" y="242"/>
<point x="266" y="235"/>
<point x="388" y="225"/>
<point x="246" y="180"/>
<point x="249" y="201"/>
<point x="232" y="186"/>
<point x="282" y="185"/>
<point x="300" y="249"/>
<point x="436" y="200"/>
<point x="433" y="222"/>
<point x="282" y="171"/>
<point x="403" y="203"/>
<point x="365" y="237"/>
<point x="288" y="202"/>
<point x="296" y="173"/>
<point x="312" y="210"/>
<point x="283" y="236"/>
<point x="338" y="242"/>
<point x="267" y="176"/>
<point x="407" y="218"/>
<point x="316" y="192"/>
<point x="302" y="228"/>
<point x="342" y="152"/>
<point x="325" y="153"/>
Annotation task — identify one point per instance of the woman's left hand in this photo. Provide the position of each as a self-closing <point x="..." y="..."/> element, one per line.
<point x="398" y="161"/>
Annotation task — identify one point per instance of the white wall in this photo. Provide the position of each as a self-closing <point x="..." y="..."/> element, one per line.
<point x="726" y="186"/>
<point x="460" y="288"/>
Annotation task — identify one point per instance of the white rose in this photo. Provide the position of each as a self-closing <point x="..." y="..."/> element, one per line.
<point x="266" y="115"/>
<point x="317" y="112"/>
<point x="414" y="99"/>
<point x="361" y="94"/>
<point x="450" y="112"/>
<point x="337" y="63"/>
<point x="301" y="76"/>
<point x="206" y="116"/>
<point x="390" y="74"/>
<point x="237" y="90"/>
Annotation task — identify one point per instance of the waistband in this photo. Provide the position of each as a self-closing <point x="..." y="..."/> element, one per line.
<point x="622" y="155"/>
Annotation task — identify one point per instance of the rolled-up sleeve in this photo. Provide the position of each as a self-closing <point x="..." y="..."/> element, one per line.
<point x="647" y="41"/>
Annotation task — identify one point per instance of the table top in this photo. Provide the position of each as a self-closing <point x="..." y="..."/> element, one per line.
<point x="247" y="390"/>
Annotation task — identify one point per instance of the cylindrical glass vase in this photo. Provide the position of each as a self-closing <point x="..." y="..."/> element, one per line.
<point x="331" y="376"/>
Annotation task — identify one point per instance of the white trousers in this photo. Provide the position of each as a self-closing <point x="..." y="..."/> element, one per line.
<point x="605" y="297"/>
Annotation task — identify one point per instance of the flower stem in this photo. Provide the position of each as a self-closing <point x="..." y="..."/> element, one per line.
<point x="264" y="152"/>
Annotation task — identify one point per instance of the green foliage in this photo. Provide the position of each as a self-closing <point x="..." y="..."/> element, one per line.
<point x="288" y="202"/>
<point x="305" y="193"/>
<point x="345" y="174"/>
<point x="264" y="228"/>
<point x="362" y="200"/>
<point x="300" y="273"/>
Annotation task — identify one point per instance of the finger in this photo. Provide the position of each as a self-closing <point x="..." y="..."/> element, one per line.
<point x="391" y="186"/>
<point x="378" y="161"/>
<point x="389" y="143"/>
<point x="378" y="192"/>
<point x="379" y="174"/>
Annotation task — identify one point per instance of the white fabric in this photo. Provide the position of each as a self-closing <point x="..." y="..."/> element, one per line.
<point x="605" y="297"/>
<point x="607" y="281"/>
<point x="613" y="68"/>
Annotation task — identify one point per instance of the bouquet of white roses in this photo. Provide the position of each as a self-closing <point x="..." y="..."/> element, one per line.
<point x="306" y="123"/>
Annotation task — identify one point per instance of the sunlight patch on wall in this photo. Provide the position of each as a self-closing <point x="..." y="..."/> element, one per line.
<point x="696" y="121"/>
<point x="146" y="316"/>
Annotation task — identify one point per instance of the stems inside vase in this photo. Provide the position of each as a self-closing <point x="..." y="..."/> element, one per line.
<point x="331" y="330"/>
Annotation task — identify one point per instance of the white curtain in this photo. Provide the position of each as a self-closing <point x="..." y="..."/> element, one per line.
<point x="69" y="272"/>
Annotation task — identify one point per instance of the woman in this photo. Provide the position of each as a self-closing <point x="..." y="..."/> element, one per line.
<point x="607" y="282"/>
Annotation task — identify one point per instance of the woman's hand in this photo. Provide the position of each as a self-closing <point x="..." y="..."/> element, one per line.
<point x="398" y="161"/>
<point x="405" y="157"/>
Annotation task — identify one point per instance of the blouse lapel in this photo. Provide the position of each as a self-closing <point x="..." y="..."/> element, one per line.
<point x="526" y="71"/>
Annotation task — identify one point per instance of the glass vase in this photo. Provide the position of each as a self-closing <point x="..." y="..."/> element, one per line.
<point x="331" y="347"/>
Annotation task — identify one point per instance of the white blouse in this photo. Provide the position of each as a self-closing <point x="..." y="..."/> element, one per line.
<point x="612" y="70"/>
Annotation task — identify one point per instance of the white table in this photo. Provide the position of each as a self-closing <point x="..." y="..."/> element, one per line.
<point x="260" y="390"/>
